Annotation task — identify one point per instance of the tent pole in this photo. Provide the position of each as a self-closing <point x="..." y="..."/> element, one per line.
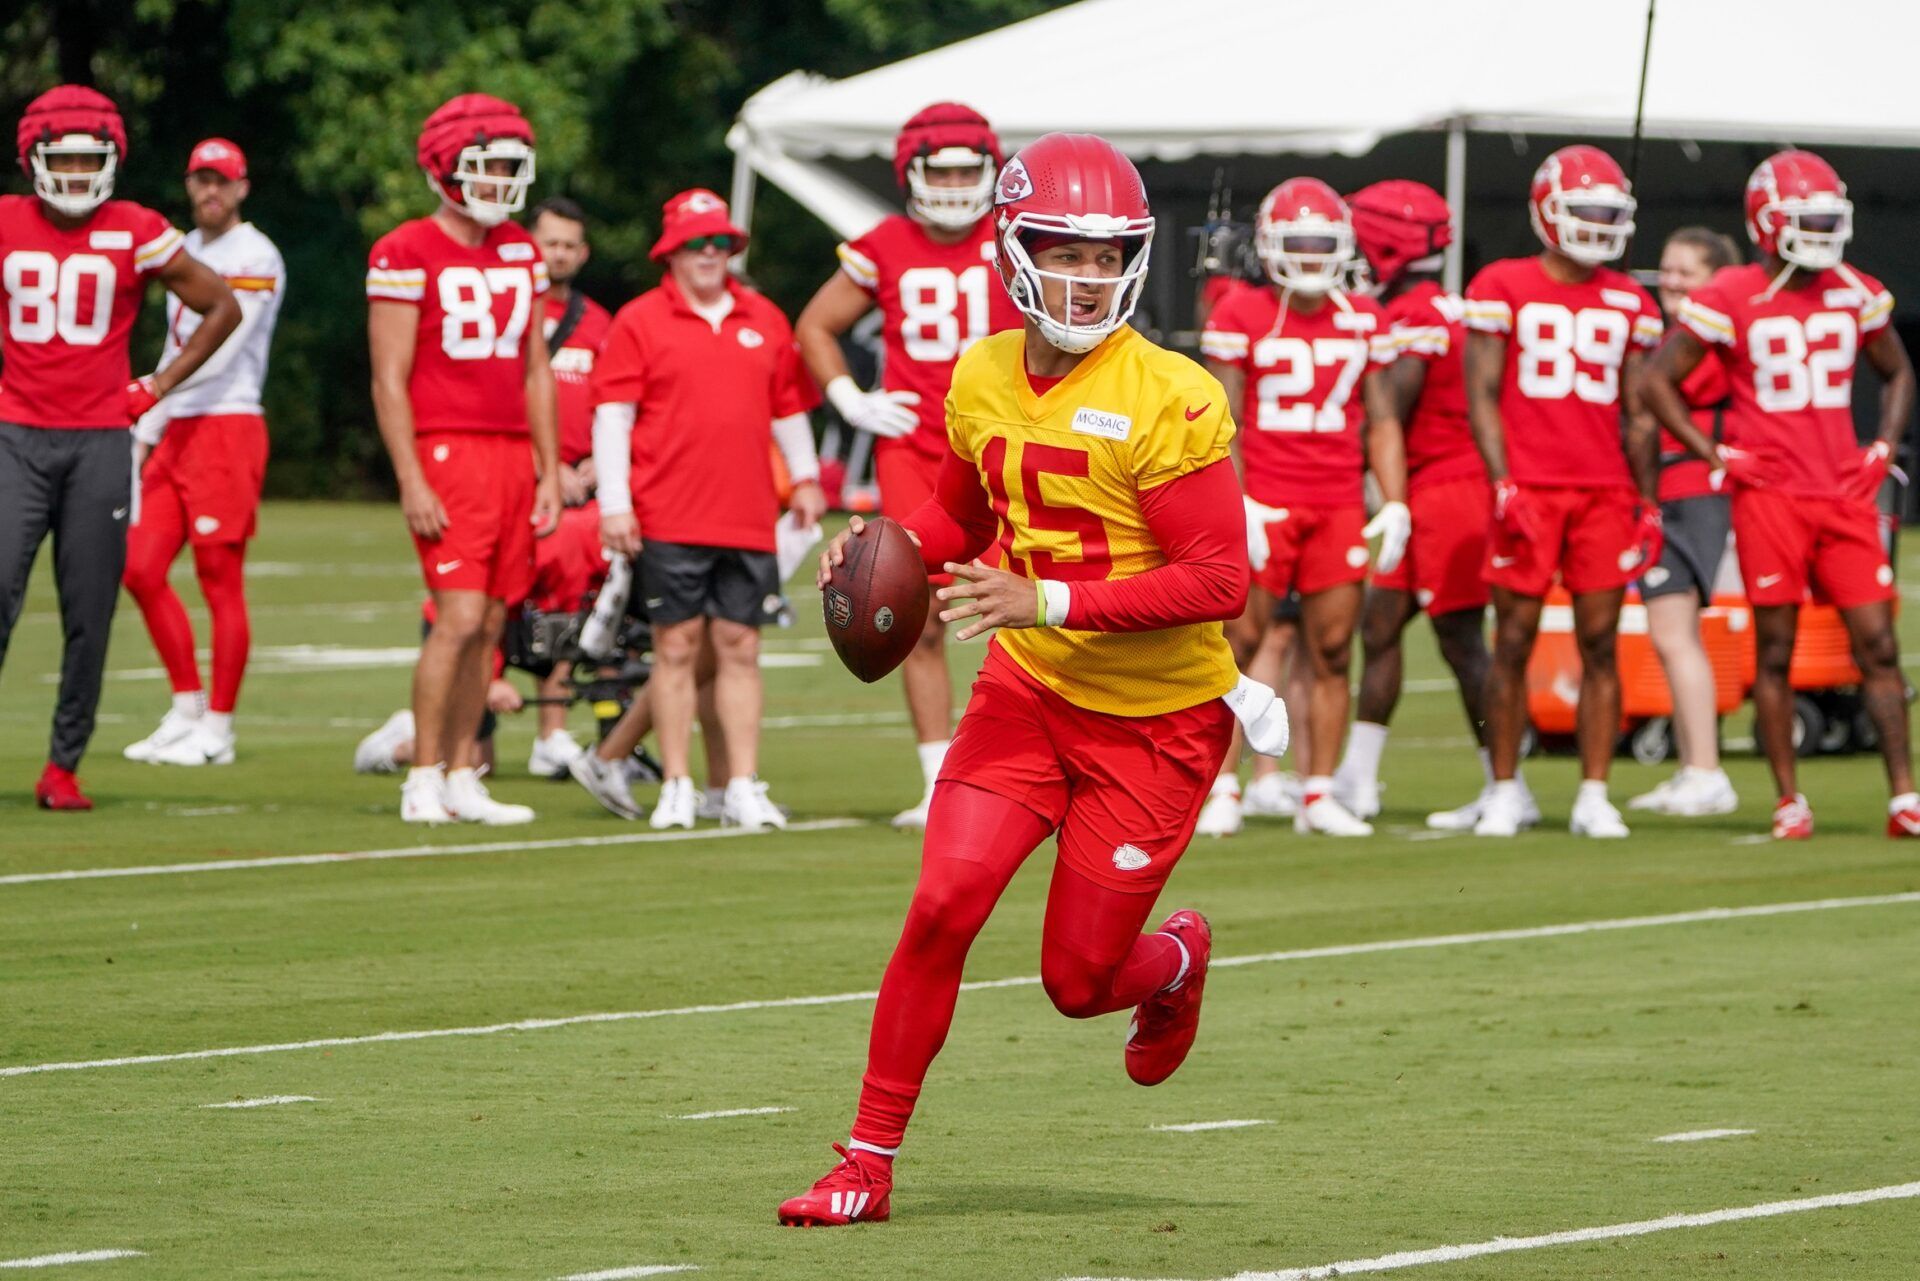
<point x="1454" y="276"/>
<point x="740" y="198"/>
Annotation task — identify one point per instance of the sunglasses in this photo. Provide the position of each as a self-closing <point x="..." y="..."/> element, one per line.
<point x="723" y="243"/>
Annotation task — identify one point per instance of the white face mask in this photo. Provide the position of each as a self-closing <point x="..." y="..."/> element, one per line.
<point x="953" y="208"/>
<point x="1302" y="271"/>
<point x="1025" y="286"/>
<point x="74" y="194"/>
<point x="470" y="175"/>
<point x="1585" y="240"/>
<point x="1815" y="249"/>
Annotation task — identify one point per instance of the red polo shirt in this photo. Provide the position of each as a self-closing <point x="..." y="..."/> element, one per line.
<point x="707" y="396"/>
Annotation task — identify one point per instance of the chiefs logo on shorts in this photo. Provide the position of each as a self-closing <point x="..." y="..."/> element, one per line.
<point x="1130" y="858"/>
<point x="1015" y="184"/>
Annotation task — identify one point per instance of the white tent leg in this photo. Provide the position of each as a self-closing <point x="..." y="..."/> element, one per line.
<point x="745" y="180"/>
<point x="1454" y="275"/>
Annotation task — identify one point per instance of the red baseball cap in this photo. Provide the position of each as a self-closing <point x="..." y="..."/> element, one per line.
<point x="221" y="156"/>
<point x="692" y="213"/>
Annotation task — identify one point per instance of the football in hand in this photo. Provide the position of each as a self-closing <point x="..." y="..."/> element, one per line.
<point x="876" y="601"/>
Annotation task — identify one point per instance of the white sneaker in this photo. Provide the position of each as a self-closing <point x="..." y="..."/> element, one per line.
<point x="606" y="781"/>
<point x="1360" y="799"/>
<point x="711" y="805"/>
<point x="1594" y="815"/>
<point x="1221" y="815"/>
<point x="423" y="797"/>
<point x="374" y="755"/>
<point x="1467" y="817"/>
<point x="553" y="756"/>
<point x="201" y="745"/>
<point x="174" y="726"/>
<point x="1656" y="801"/>
<point x="1271" y="796"/>
<point x="746" y="806"/>
<point x="1325" y="816"/>
<point x="1503" y="811"/>
<point x="467" y="799"/>
<point x="915" y="817"/>
<point x="1698" y="793"/>
<point x="677" y="805"/>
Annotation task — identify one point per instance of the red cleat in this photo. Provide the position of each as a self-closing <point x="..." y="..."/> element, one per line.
<point x="58" y="789"/>
<point x="1904" y="818"/>
<point x="1165" y="1023"/>
<point x="854" y="1191"/>
<point x="1792" y="819"/>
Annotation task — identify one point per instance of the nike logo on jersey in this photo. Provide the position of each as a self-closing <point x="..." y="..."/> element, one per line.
<point x="1195" y="413"/>
<point x="446" y="566"/>
<point x="1767" y="580"/>
<point x="849" y="1203"/>
<point x="1501" y="562"/>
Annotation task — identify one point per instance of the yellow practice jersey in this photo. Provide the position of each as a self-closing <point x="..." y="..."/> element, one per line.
<point x="1064" y="473"/>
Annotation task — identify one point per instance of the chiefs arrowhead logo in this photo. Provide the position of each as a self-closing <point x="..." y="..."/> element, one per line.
<point x="1014" y="183"/>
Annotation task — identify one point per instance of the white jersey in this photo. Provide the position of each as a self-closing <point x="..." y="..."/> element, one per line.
<point x="231" y="380"/>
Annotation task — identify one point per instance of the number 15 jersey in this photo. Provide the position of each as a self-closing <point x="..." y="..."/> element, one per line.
<point x="935" y="301"/>
<point x="475" y="302"/>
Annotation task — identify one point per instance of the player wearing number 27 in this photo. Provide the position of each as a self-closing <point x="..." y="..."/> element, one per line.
<point x="1098" y="465"/>
<point x="1789" y="331"/>
<point x="465" y="398"/>
<point x="1553" y="344"/>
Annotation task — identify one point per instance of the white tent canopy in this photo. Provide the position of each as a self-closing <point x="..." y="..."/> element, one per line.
<point x="1171" y="79"/>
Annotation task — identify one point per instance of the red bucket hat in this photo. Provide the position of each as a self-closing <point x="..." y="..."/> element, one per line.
<point x="697" y="212"/>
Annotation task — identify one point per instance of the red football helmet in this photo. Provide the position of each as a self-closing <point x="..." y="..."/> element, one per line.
<point x="1582" y="205"/>
<point x="1304" y="236"/>
<point x="1065" y="188"/>
<point x="947" y="137"/>
<point x="1400" y="226"/>
<point x="1797" y="208"/>
<point x="72" y="120"/>
<point x="458" y="143"/>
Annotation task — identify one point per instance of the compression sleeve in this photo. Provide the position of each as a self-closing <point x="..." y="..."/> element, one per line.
<point x="1198" y="522"/>
<point x="957" y="523"/>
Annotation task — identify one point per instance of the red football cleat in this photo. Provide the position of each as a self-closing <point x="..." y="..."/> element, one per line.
<point x="1792" y="819"/>
<point x="1165" y="1023"/>
<point x="58" y="789"/>
<point x="854" y="1191"/>
<point x="1905" y="820"/>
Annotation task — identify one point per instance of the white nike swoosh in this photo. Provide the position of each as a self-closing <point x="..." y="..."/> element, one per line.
<point x="118" y="512"/>
<point x="1768" y="580"/>
<point x="1501" y="562"/>
<point x="446" y="566"/>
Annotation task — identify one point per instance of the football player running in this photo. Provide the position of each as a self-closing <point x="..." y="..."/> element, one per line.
<point x="1555" y="342"/>
<point x="74" y="267"/>
<point x="930" y="272"/>
<point x="1097" y="465"/>
<point x="464" y="396"/>
<point x="1301" y="356"/>
<point x="1789" y="332"/>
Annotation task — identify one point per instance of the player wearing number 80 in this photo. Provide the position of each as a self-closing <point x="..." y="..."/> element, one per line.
<point x="464" y="395"/>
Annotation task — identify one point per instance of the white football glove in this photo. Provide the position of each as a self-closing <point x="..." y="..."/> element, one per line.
<point x="1259" y="516"/>
<point x="1262" y="715"/>
<point x="887" y="414"/>
<point x="1393" y="526"/>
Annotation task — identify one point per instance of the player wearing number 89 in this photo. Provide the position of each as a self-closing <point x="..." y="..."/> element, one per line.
<point x="930" y="272"/>
<point x="465" y="399"/>
<point x="1554" y="342"/>
<point x="1789" y="331"/>
<point x="74" y="265"/>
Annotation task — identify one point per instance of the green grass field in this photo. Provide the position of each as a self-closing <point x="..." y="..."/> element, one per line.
<point x="1412" y="1097"/>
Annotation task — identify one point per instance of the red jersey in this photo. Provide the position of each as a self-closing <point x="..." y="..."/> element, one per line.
<point x="1566" y="346"/>
<point x="1681" y="474"/>
<point x="1425" y="325"/>
<point x="573" y="374"/>
<point x="707" y="395"/>
<point x="935" y="301"/>
<point x="72" y="297"/>
<point x="470" y="353"/>
<point x="1789" y="355"/>
<point x="1303" y="414"/>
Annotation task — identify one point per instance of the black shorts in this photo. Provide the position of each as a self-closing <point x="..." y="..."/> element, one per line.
<point x="1696" y="530"/>
<point x="1286" y="609"/>
<point x="678" y="582"/>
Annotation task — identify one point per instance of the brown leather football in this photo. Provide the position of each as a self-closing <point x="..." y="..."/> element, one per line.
<point x="876" y="601"/>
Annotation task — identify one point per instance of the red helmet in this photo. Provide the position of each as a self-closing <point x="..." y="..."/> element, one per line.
<point x="1304" y="236"/>
<point x="1400" y="226"/>
<point x="1797" y="208"/>
<point x="1066" y="188"/>
<point x="947" y="135"/>
<point x="72" y="120"/>
<point x="1582" y="205"/>
<point x="458" y="142"/>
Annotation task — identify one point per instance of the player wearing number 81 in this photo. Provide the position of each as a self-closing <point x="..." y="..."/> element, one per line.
<point x="465" y="399"/>
<point x="1553" y="344"/>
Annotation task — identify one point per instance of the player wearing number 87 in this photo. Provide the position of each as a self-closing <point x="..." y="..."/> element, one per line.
<point x="1789" y="331"/>
<point x="464" y="396"/>
<point x="74" y="265"/>
<point x="1553" y="343"/>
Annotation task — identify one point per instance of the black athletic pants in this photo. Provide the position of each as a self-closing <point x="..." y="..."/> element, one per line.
<point x="76" y="485"/>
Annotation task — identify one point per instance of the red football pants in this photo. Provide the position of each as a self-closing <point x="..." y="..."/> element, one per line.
<point x="152" y="546"/>
<point x="1093" y="958"/>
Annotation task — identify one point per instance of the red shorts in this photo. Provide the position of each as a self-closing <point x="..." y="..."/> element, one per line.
<point x="569" y="564"/>
<point x="1788" y="543"/>
<point x="485" y="481"/>
<point x="907" y="479"/>
<point x="1447" y="557"/>
<point x="1315" y="548"/>
<point x="1590" y="536"/>
<point x="209" y="469"/>
<point x="1124" y="792"/>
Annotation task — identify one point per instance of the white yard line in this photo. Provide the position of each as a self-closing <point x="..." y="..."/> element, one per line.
<point x="287" y="660"/>
<point x="1698" y="1136"/>
<point x="1576" y="1236"/>
<point x="848" y="998"/>
<point x="271" y="1100"/>
<point x="72" y="1256"/>
<point x="407" y="851"/>
<point x="622" y="1274"/>
<point x="1195" y="1127"/>
<point x="715" y="1116"/>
